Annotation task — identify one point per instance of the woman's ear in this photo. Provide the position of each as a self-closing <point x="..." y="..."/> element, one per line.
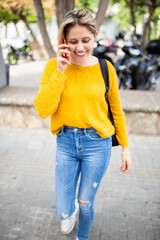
<point x="96" y="34"/>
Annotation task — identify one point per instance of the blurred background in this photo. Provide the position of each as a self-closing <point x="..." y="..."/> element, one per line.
<point x="127" y="206"/>
<point x="129" y="33"/>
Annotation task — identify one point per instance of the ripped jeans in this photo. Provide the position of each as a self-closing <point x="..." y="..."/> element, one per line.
<point x="80" y="150"/>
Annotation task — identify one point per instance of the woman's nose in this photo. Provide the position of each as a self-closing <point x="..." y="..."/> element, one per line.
<point x="80" y="46"/>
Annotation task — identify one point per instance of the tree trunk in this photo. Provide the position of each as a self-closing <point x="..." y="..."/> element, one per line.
<point x="17" y="31"/>
<point x="101" y="12"/>
<point x="62" y="7"/>
<point x="147" y="26"/>
<point x="6" y="31"/>
<point x="29" y="28"/>
<point x="35" y="43"/>
<point x="43" y="30"/>
<point x="19" y="13"/>
<point x="132" y="4"/>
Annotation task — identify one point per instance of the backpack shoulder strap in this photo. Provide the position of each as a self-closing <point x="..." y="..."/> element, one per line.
<point x="104" y="70"/>
<point x="105" y="74"/>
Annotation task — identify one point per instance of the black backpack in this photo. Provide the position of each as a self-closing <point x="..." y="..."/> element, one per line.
<point x="104" y="70"/>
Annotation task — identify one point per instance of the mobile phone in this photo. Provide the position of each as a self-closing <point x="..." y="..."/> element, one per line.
<point x="65" y="54"/>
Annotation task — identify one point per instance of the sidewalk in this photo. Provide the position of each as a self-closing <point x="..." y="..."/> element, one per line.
<point x="26" y="74"/>
<point x="127" y="206"/>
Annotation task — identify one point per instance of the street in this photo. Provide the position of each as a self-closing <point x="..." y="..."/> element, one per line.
<point x="127" y="205"/>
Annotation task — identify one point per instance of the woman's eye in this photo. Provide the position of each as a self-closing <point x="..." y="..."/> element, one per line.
<point x="85" y="41"/>
<point x="73" y="42"/>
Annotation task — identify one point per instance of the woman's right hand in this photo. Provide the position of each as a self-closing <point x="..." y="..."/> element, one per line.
<point x="62" y="62"/>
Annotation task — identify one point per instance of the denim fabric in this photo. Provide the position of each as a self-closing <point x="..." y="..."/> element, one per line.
<point x="79" y="150"/>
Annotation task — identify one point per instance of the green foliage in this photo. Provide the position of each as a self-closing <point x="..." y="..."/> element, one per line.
<point x="157" y="14"/>
<point x="6" y="16"/>
<point x="123" y="16"/>
<point x="155" y="25"/>
<point x="47" y="17"/>
<point x="140" y="10"/>
<point x="88" y="4"/>
<point x="33" y="18"/>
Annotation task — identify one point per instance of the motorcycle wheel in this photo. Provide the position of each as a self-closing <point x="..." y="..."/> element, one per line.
<point x="152" y="81"/>
<point x="32" y="57"/>
<point x="12" y="58"/>
<point x="124" y="81"/>
<point x="29" y="53"/>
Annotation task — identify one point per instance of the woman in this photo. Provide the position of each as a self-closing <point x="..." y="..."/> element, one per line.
<point x="72" y="91"/>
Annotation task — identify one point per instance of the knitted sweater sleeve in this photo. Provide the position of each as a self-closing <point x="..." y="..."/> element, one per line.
<point x="117" y="112"/>
<point x="51" y="86"/>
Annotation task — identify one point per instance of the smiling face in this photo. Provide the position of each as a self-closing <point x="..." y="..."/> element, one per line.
<point x="80" y="40"/>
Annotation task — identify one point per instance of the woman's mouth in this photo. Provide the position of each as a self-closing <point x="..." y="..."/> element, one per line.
<point x="80" y="54"/>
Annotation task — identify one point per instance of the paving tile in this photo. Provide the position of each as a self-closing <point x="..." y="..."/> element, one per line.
<point x="127" y="206"/>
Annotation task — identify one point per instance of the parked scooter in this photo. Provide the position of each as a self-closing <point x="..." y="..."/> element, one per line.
<point x="103" y="48"/>
<point x="153" y="49"/>
<point x="136" y="70"/>
<point x="19" y="49"/>
<point x="106" y="46"/>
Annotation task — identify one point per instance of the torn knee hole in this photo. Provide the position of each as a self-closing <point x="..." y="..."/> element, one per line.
<point x="83" y="203"/>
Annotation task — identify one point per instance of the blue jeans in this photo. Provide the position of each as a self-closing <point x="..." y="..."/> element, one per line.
<point x="79" y="150"/>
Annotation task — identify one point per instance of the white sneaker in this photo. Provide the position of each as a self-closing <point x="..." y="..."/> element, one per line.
<point x="77" y="238"/>
<point x="68" y="224"/>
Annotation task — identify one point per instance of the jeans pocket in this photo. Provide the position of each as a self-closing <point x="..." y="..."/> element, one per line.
<point x="60" y="132"/>
<point x="94" y="136"/>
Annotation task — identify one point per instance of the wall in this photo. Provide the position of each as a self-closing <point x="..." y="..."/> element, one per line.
<point x="3" y="77"/>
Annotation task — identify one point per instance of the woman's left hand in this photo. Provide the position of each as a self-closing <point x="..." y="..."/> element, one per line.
<point x="126" y="161"/>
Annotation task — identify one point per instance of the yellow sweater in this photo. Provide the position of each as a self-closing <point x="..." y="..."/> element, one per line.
<point x="76" y="98"/>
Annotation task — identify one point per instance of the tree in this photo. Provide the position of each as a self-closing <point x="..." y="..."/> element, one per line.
<point x="6" y="16"/>
<point x="43" y="30"/>
<point x="24" y="10"/>
<point x="143" y="7"/>
<point x="138" y="11"/>
<point x="103" y="4"/>
<point x="152" y="5"/>
<point x="62" y="7"/>
<point x="133" y="20"/>
<point x="17" y="9"/>
<point x="86" y="4"/>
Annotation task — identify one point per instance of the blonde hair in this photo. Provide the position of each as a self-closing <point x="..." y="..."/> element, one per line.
<point x="81" y="17"/>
